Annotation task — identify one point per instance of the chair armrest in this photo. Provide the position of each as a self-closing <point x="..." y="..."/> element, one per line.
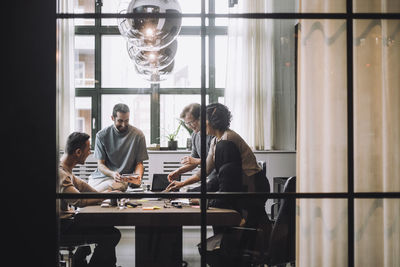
<point x="273" y="211"/>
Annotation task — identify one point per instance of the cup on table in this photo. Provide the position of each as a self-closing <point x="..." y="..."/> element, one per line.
<point x="145" y="187"/>
<point x="113" y="202"/>
<point x="121" y="203"/>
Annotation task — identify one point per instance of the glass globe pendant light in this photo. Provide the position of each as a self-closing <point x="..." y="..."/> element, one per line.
<point x="150" y="33"/>
<point x="155" y="76"/>
<point x="151" y="42"/>
<point x="152" y="59"/>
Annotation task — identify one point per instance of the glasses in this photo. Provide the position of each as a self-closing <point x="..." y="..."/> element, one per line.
<point x="190" y="123"/>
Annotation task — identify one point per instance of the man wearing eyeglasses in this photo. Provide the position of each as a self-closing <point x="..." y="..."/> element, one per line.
<point x="191" y="115"/>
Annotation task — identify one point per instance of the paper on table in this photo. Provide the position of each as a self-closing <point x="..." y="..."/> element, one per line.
<point x="151" y="208"/>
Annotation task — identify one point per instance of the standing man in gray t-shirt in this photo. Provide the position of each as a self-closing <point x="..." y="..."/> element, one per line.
<point x="191" y="115"/>
<point x="120" y="149"/>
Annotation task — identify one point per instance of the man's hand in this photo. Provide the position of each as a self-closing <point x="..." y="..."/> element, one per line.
<point x="190" y="160"/>
<point x="135" y="179"/>
<point x="117" y="177"/>
<point x="173" y="176"/>
<point x="174" y="186"/>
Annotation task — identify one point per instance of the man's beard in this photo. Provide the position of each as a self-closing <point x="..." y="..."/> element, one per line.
<point x="122" y="129"/>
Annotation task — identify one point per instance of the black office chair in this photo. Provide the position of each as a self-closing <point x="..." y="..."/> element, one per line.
<point x="224" y="248"/>
<point x="271" y="242"/>
<point x="70" y="244"/>
<point x="275" y="246"/>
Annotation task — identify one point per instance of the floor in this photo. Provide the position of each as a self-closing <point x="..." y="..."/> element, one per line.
<point x="191" y="237"/>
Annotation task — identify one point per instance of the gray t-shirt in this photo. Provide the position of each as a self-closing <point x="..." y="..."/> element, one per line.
<point x="121" y="151"/>
<point x="196" y="144"/>
<point x="196" y="151"/>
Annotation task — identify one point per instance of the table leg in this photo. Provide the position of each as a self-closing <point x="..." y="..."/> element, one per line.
<point x="158" y="246"/>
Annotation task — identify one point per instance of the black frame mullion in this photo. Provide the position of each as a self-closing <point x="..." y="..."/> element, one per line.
<point x="203" y="189"/>
<point x="155" y="114"/>
<point x="350" y="134"/>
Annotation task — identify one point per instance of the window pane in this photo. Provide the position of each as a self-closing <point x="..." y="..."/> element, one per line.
<point x="84" y="6"/>
<point x="187" y="6"/>
<point x="376" y="232"/>
<point x="139" y="106"/>
<point x="117" y="69"/>
<point x="364" y="6"/>
<point x="288" y="6"/>
<point x="322" y="221"/>
<point x="221" y="7"/>
<point x="376" y="105"/>
<point x="187" y="69"/>
<point x="221" y="43"/>
<point x="83" y="115"/>
<point x="84" y="61"/>
<point x="171" y="107"/>
<point x="191" y="6"/>
<point x="109" y="6"/>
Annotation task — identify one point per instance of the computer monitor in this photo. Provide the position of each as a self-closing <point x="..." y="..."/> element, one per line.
<point x="160" y="182"/>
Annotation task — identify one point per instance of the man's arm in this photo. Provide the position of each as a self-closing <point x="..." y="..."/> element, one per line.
<point x="139" y="170"/>
<point x="78" y="187"/>
<point x="174" y="175"/>
<point x="174" y="185"/>
<point x="189" y="162"/>
<point x="106" y="171"/>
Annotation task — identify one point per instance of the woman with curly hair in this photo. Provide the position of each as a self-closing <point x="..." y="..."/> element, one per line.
<point x="236" y="166"/>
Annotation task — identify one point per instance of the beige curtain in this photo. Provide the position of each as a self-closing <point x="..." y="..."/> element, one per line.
<point x="65" y="73"/>
<point x="249" y="79"/>
<point x="322" y="137"/>
<point x="322" y="143"/>
<point x="377" y="140"/>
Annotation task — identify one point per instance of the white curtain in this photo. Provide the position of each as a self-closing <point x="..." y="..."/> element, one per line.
<point x="65" y="73"/>
<point x="249" y="84"/>
<point x="377" y="140"/>
<point x="322" y="143"/>
<point x="322" y="136"/>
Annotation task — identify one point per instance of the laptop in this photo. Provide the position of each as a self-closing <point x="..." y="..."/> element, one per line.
<point x="160" y="182"/>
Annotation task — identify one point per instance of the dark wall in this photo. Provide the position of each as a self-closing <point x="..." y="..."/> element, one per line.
<point x="29" y="117"/>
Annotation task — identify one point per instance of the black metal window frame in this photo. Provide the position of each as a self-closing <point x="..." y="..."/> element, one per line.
<point x="154" y="90"/>
<point x="350" y="195"/>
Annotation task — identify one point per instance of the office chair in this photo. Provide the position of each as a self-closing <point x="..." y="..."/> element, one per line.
<point x="275" y="246"/>
<point x="223" y="248"/>
<point x="69" y="243"/>
<point x="271" y="242"/>
<point x="70" y="246"/>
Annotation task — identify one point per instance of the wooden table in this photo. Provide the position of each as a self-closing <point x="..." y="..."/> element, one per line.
<point x="158" y="232"/>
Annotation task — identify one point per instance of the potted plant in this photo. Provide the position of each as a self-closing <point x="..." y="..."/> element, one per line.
<point x="172" y="143"/>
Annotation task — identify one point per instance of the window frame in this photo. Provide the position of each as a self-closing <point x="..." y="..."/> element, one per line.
<point x="350" y="195"/>
<point x="155" y="90"/>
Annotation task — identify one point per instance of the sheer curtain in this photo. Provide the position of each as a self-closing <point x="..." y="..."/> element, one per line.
<point x="65" y="73"/>
<point x="322" y="143"/>
<point x="322" y="136"/>
<point x="249" y="84"/>
<point x="377" y="140"/>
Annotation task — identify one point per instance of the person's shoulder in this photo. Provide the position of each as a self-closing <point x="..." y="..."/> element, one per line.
<point x="229" y="134"/>
<point x="135" y="131"/>
<point x="103" y="132"/>
<point x="195" y="135"/>
<point x="62" y="172"/>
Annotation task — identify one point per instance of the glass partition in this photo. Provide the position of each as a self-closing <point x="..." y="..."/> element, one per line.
<point x="302" y="77"/>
